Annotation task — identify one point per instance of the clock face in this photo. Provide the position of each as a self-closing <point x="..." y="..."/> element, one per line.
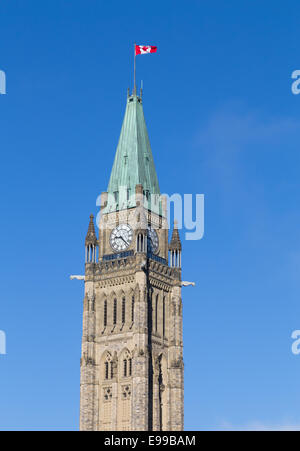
<point x="153" y="239"/>
<point x="121" y="237"/>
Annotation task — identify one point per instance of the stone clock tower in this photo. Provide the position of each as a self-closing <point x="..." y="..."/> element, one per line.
<point x="131" y="363"/>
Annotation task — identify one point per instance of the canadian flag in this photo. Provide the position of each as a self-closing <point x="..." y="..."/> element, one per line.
<point x="142" y="49"/>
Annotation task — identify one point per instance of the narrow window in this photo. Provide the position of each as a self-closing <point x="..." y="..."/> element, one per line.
<point x="130" y="367"/>
<point x="132" y="309"/>
<point x="106" y="370"/>
<point x="115" y="311"/>
<point x="111" y="370"/>
<point x="156" y="312"/>
<point x="116" y="196"/>
<point x="164" y="316"/>
<point x="125" y="367"/>
<point x="123" y="310"/>
<point x="128" y="193"/>
<point x="105" y="313"/>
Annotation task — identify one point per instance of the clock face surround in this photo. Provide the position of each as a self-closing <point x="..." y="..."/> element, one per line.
<point x="153" y="239"/>
<point x="121" y="237"/>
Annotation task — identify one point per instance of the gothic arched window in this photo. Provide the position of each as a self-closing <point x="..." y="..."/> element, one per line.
<point x="127" y="364"/>
<point x="141" y="243"/>
<point x="108" y="367"/>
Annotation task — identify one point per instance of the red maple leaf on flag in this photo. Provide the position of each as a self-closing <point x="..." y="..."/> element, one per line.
<point x="143" y="49"/>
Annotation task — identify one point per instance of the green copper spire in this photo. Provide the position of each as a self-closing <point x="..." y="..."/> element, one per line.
<point x="133" y="164"/>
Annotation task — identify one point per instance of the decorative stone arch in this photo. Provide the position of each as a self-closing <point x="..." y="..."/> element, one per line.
<point x="121" y="303"/>
<point x="125" y="369"/>
<point x="101" y="298"/>
<point x="106" y="366"/>
<point x="157" y="298"/>
<point x="101" y="313"/>
<point x="130" y="293"/>
<point x="112" y="295"/>
<point x="156" y="301"/>
<point x="131" y="301"/>
<point x="113" y="309"/>
<point x="120" y="293"/>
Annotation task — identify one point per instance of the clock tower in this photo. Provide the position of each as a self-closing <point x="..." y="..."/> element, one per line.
<point x="131" y="362"/>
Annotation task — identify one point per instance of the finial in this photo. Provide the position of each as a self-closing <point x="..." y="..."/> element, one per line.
<point x="91" y="234"/>
<point x="128" y="92"/>
<point x="175" y="242"/>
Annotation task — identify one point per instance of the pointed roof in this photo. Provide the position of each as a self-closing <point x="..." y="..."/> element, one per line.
<point x="91" y="237"/>
<point x="133" y="164"/>
<point x="175" y="243"/>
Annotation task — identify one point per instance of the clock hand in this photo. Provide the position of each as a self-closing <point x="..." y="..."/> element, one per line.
<point x="122" y="233"/>
<point x="120" y="236"/>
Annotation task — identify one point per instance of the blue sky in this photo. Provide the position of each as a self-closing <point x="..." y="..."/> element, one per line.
<point x="223" y="122"/>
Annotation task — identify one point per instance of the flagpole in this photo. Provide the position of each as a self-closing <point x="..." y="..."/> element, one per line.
<point x="134" y="85"/>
